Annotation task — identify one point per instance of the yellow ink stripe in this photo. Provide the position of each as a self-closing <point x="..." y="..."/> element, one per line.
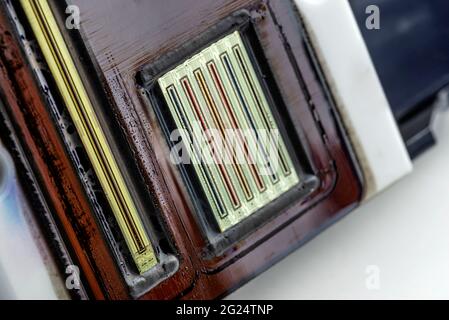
<point x="92" y="135"/>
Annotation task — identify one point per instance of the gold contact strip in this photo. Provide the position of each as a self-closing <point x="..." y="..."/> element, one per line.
<point x="216" y="118"/>
<point x="224" y="173"/>
<point x="238" y="121"/>
<point x="206" y="174"/>
<point x="234" y="121"/>
<point x="195" y="110"/>
<point x="198" y="115"/>
<point x="253" y="123"/>
<point x="259" y="103"/>
<point x="199" y="99"/>
<point x="237" y="167"/>
<point x="208" y="83"/>
<point x="244" y="110"/>
<point x="254" y="94"/>
<point x="92" y="136"/>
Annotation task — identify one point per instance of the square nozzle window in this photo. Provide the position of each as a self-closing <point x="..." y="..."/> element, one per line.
<point x="229" y="134"/>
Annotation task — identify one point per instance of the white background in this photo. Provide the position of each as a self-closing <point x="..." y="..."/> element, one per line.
<point x="403" y="233"/>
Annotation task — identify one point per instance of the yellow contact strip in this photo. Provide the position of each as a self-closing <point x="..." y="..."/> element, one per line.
<point x="92" y="136"/>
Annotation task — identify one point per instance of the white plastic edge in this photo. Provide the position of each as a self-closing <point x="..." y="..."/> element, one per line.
<point x="355" y="86"/>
